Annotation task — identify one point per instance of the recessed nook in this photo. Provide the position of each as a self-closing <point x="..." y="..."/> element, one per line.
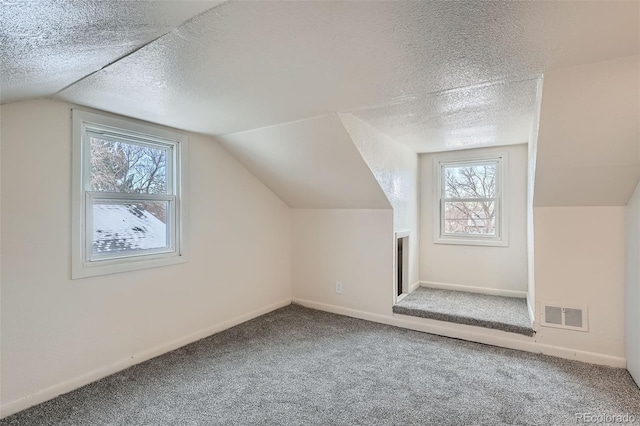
<point x="508" y="314"/>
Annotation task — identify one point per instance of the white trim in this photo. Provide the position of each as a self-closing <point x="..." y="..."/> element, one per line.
<point x="532" y="317"/>
<point x="501" y="158"/>
<point x="402" y="234"/>
<point x="413" y="286"/>
<point x="81" y="266"/>
<point x="473" y="289"/>
<point x="51" y="392"/>
<point x="470" y="333"/>
<point x="405" y="265"/>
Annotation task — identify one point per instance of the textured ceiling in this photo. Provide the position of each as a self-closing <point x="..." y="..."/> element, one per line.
<point x="47" y="45"/>
<point x="244" y="65"/>
<point x="493" y="114"/>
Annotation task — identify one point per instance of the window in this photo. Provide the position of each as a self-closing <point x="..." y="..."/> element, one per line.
<point x="470" y="206"/>
<point x="127" y="195"/>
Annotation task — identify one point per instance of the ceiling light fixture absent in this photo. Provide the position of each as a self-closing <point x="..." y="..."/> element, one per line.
<point x="471" y="136"/>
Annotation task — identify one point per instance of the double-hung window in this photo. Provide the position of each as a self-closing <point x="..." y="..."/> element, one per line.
<point x="127" y="195"/>
<point x="470" y="208"/>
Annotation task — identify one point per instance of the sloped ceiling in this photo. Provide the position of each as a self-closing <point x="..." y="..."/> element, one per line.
<point x="434" y="75"/>
<point x="245" y="65"/>
<point x="309" y="164"/>
<point x="394" y="166"/>
<point x="589" y="135"/>
<point x="48" y="45"/>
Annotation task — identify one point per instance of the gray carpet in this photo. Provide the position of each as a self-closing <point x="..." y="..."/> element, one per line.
<point x="298" y="366"/>
<point x="501" y="313"/>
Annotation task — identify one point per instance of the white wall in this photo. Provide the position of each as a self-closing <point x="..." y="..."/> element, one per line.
<point x="354" y="247"/>
<point x="499" y="268"/>
<point x="588" y="156"/>
<point x="573" y="266"/>
<point x="632" y="289"/>
<point x="580" y="261"/>
<point x="59" y="333"/>
<point x="395" y="167"/>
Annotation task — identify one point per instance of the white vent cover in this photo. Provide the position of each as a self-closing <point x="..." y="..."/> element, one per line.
<point x="570" y="318"/>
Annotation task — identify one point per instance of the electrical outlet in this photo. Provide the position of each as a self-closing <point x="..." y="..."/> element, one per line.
<point x="338" y="287"/>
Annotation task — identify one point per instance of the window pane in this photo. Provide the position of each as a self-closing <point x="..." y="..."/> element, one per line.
<point x="472" y="181"/>
<point x="470" y="218"/>
<point x="124" y="226"/>
<point x="117" y="166"/>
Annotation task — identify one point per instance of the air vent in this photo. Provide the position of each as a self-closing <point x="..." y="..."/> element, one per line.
<point x="570" y="318"/>
<point x="553" y="315"/>
<point x="573" y="317"/>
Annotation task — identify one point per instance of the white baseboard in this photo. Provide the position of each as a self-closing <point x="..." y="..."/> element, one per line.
<point x="51" y="392"/>
<point x="458" y="331"/>
<point x="414" y="286"/>
<point x="470" y="333"/>
<point x="472" y="289"/>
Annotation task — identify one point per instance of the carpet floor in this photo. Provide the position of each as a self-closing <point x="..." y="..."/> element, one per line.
<point x="509" y="314"/>
<point x="298" y="366"/>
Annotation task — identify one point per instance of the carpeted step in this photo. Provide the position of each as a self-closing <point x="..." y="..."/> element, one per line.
<point x="508" y="314"/>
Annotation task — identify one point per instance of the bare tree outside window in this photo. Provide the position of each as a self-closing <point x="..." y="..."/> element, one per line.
<point x="127" y="195"/>
<point x="129" y="168"/>
<point x="469" y="199"/>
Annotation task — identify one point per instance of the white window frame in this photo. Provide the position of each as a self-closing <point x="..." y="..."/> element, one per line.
<point x="501" y="238"/>
<point x="84" y="264"/>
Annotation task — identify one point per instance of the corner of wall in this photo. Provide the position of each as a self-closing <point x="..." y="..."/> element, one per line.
<point x="632" y="285"/>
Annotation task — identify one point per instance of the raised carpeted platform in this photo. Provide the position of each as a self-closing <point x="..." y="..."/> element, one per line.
<point x="298" y="366"/>
<point x="501" y="313"/>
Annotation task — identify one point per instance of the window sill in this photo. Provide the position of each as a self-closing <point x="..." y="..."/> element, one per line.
<point x="106" y="267"/>
<point x="470" y="241"/>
